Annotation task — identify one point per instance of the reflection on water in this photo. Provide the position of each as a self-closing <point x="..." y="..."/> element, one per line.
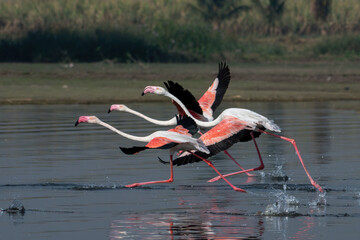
<point x="71" y="180"/>
<point x="321" y="136"/>
<point x="187" y="225"/>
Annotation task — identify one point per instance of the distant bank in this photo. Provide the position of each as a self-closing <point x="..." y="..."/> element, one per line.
<point x="107" y="82"/>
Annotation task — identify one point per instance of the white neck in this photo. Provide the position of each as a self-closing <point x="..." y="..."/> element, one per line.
<point x="198" y="122"/>
<point x="132" y="137"/>
<point x="157" y="122"/>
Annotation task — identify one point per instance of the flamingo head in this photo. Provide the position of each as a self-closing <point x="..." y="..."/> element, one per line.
<point x="118" y="107"/>
<point x="88" y="119"/>
<point x="154" y="89"/>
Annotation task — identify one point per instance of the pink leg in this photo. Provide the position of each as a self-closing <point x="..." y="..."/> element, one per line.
<point x="244" y="171"/>
<point x="171" y="179"/>
<point x="213" y="167"/>
<point x="227" y="153"/>
<point x="292" y="141"/>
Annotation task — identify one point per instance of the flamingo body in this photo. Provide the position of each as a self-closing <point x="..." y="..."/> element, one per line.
<point x="220" y="138"/>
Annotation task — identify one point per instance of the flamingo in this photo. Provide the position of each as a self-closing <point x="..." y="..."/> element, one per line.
<point x="176" y="139"/>
<point x="202" y="109"/>
<point x="230" y="121"/>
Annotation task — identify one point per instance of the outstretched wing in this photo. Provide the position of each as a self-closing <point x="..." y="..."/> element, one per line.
<point x="219" y="138"/>
<point x="185" y="97"/>
<point x="155" y="143"/>
<point x="214" y="95"/>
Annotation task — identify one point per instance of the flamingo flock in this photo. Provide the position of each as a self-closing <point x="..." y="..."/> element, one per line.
<point x="233" y="125"/>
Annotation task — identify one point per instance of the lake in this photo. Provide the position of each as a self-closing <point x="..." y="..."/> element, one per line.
<point x="71" y="180"/>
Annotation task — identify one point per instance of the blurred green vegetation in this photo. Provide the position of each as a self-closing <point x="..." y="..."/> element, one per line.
<point x="177" y="30"/>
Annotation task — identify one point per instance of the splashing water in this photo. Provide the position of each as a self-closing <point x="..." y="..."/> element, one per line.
<point x="278" y="175"/>
<point x="284" y="205"/>
<point x="319" y="201"/>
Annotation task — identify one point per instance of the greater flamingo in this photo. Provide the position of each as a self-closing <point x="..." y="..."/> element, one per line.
<point x="235" y="116"/>
<point x="177" y="139"/>
<point x="202" y="109"/>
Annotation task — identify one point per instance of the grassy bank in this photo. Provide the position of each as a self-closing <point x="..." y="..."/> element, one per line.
<point x="106" y="82"/>
<point x="169" y="31"/>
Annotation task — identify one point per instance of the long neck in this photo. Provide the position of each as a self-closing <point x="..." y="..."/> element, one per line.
<point x="199" y="123"/>
<point x="157" y="122"/>
<point x="132" y="137"/>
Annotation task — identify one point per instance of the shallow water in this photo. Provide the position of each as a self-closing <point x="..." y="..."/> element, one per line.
<point x="71" y="180"/>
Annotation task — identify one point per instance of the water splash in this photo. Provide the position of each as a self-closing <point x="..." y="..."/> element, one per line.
<point x="357" y="195"/>
<point x="318" y="205"/>
<point x="278" y="175"/>
<point x="285" y="204"/>
<point x="15" y="211"/>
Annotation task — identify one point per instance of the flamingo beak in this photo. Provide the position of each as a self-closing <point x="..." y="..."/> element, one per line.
<point x="112" y="108"/>
<point x="148" y="89"/>
<point x="82" y="119"/>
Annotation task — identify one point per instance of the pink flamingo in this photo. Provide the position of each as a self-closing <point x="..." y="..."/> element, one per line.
<point x="226" y="134"/>
<point x="176" y="139"/>
<point x="202" y="109"/>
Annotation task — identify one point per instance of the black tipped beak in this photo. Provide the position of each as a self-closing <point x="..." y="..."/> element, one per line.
<point x="109" y="111"/>
<point x="142" y="94"/>
<point x="77" y="122"/>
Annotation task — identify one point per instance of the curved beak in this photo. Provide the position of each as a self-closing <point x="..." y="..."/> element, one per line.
<point x="77" y="122"/>
<point x="142" y="94"/>
<point x="109" y="111"/>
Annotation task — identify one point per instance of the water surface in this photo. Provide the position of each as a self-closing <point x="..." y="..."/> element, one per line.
<point x="71" y="179"/>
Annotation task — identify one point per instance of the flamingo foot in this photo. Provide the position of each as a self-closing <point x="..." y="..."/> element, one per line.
<point x="133" y="185"/>
<point x="146" y="183"/>
<point x="239" y="189"/>
<point x="215" y="179"/>
<point x="317" y="186"/>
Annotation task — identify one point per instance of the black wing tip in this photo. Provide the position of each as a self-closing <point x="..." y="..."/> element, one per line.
<point x="171" y="84"/>
<point x="185" y="96"/>
<point x="224" y="71"/>
<point x="190" y="158"/>
<point x="132" y="150"/>
<point x="162" y="161"/>
<point x="188" y="123"/>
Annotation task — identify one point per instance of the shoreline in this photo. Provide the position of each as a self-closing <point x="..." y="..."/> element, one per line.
<point x="97" y="83"/>
<point x="16" y="101"/>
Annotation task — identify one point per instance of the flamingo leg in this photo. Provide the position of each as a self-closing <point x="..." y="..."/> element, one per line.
<point x="292" y="141"/>
<point x="171" y="179"/>
<point x="244" y="171"/>
<point x="227" y="153"/>
<point x="213" y="167"/>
